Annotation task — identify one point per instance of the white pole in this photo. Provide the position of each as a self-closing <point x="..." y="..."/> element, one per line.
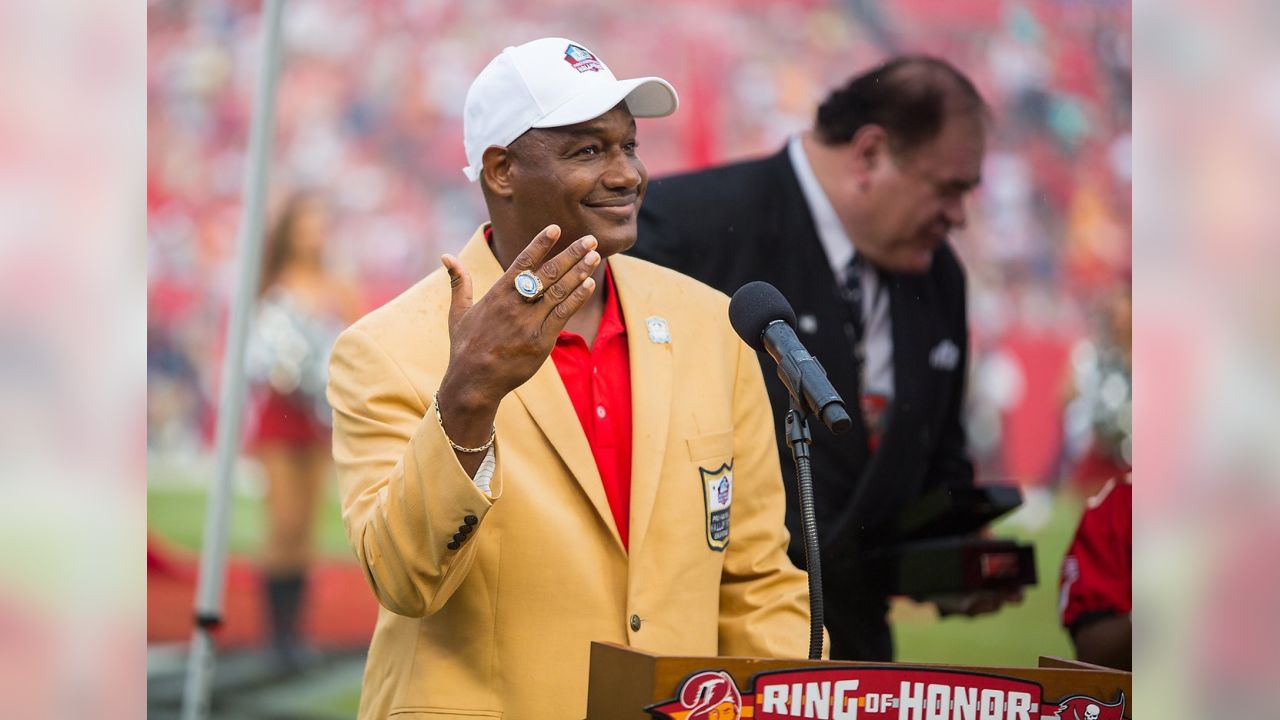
<point x="213" y="551"/>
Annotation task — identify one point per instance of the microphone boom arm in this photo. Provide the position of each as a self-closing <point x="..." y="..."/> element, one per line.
<point x="799" y="438"/>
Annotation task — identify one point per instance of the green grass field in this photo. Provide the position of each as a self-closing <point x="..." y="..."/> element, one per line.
<point x="177" y="502"/>
<point x="1017" y="636"/>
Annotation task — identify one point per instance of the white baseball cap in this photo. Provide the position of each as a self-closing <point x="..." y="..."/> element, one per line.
<point x="545" y="83"/>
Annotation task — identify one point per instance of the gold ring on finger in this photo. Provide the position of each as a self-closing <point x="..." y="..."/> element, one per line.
<point x="529" y="286"/>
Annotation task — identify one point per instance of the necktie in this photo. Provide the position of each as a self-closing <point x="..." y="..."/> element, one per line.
<point x="851" y="291"/>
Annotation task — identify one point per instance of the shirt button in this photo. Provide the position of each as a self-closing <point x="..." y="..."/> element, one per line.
<point x="600" y="411"/>
<point x="635" y="623"/>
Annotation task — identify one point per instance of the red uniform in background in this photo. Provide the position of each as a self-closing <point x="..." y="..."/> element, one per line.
<point x="1096" y="578"/>
<point x="284" y="419"/>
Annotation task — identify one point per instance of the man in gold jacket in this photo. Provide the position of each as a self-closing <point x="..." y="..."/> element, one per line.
<point x="485" y="521"/>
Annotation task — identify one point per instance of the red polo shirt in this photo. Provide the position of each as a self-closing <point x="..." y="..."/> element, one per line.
<point x="598" y="380"/>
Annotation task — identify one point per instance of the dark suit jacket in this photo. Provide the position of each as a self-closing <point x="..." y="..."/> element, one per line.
<point x="730" y="225"/>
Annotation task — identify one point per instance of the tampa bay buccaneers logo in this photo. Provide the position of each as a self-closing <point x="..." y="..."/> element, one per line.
<point x="708" y="695"/>
<point x="1083" y="707"/>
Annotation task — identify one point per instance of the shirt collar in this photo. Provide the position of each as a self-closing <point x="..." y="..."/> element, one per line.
<point x="835" y="241"/>
<point x="611" y="322"/>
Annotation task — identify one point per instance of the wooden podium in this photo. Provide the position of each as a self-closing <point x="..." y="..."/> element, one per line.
<point x="629" y="684"/>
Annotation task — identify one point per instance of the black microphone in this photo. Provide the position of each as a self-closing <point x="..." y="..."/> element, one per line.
<point x="764" y="320"/>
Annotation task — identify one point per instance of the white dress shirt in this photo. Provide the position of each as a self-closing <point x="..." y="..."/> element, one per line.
<point x="877" y="337"/>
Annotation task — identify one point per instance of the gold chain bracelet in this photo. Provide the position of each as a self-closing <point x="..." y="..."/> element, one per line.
<point x="493" y="433"/>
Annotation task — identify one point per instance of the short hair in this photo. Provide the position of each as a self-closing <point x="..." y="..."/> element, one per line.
<point x="910" y="96"/>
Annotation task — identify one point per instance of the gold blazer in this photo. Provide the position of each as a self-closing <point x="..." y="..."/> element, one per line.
<point x="502" y="625"/>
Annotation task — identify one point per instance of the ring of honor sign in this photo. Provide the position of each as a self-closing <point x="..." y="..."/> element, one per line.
<point x="876" y="693"/>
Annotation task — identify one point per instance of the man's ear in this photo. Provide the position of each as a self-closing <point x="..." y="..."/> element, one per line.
<point x="496" y="167"/>
<point x="868" y="150"/>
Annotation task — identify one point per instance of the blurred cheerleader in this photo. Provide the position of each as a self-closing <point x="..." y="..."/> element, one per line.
<point x="301" y="310"/>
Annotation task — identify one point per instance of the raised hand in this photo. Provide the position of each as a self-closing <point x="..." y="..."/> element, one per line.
<point x="498" y="342"/>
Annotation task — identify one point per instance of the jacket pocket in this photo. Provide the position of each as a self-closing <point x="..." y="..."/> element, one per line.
<point x="434" y="713"/>
<point x="711" y="446"/>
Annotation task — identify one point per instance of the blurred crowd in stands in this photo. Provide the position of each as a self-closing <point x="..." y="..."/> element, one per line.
<point x="368" y="117"/>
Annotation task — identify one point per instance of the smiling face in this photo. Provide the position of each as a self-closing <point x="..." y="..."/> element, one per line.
<point x="917" y="197"/>
<point x="586" y="178"/>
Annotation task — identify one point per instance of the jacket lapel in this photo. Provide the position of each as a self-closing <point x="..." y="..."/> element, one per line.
<point x="544" y="397"/>
<point x="651" y="383"/>
<point x="910" y="301"/>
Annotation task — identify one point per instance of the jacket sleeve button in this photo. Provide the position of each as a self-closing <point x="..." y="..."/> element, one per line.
<point x="453" y="545"/>
<point x="466" y="529"/>
<point x="471" y="519"/>
<point x="635" y="623"/>
<point x="459" y="537"/>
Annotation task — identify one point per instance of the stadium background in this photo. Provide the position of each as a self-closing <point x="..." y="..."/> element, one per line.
<point x="369" y="113"/>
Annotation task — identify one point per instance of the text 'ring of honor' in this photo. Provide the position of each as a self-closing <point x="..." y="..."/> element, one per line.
<point x="529" y="286"/>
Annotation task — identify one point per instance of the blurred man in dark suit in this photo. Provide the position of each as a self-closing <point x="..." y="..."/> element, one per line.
<point x="850" y="221"/>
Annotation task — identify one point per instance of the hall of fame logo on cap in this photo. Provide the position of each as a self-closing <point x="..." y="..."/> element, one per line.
<point x="581" y="59"/>
<point x="717" y="494"/>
